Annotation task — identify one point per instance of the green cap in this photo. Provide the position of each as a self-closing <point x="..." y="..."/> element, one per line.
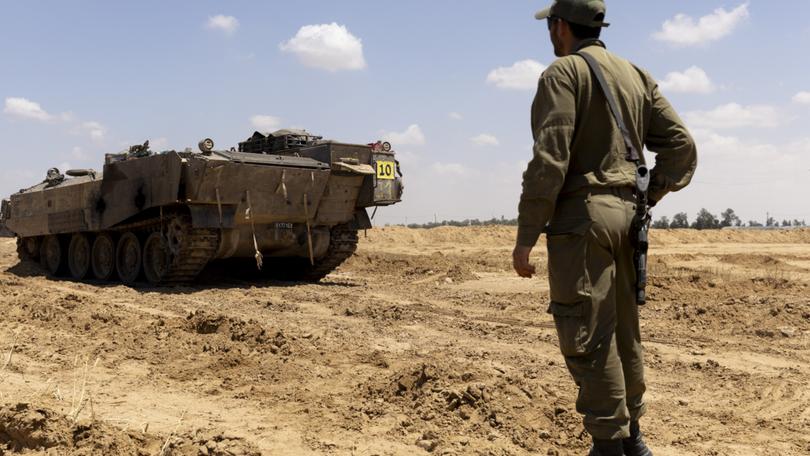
<point x="590" y="13"/>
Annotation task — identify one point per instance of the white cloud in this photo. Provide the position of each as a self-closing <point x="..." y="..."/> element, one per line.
<point x="328" y="47"/>
<point x="683" y="30"/>
<point x="412" y="136"/>
<point x="802" y="98"/>
<point x="452" y="169"/>
<point x="733" y="115"/>
<point x="94" y="129"/>
<point x="265" y="124"/>
<point x="485" y="139"/>
<point x="79" y="154"/>
<point x="523" y="75"/>
<point x="693" y="80"/>
<point x="25" y="109"/>
<point x="409" y="157"/>
<point x="226" y="24"/>
<point x="737" y="160"/>
<point x="713" y="144"/>
<point x="744" y="172"/>
<point x="455" y="116"/>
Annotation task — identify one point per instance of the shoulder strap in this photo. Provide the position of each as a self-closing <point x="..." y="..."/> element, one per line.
<point x="632" y="153"/>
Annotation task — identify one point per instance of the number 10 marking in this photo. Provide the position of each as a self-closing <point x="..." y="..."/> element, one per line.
<point x="386" y="170"/>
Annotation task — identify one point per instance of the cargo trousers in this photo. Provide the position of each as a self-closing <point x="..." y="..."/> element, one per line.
<point x="592" y="288"/>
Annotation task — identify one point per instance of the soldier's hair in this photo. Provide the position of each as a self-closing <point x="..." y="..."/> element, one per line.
<point x="586" y="33"/>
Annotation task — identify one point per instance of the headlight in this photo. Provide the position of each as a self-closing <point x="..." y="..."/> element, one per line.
<point x="206" y="145"/>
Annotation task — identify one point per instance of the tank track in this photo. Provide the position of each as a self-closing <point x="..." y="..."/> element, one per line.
<point x="198" y="247"/>
<point x="342" y="245"/>
<point x="197" y="250"/>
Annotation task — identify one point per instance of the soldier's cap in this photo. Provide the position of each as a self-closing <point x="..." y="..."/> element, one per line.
<point x="590" y="13"/>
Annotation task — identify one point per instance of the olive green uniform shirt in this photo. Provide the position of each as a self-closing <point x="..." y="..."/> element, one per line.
<point x="577" y="144"/>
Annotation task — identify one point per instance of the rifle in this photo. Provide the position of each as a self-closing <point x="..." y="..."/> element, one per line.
<point x="639" y="232"/>
<point x="640" y="228"/>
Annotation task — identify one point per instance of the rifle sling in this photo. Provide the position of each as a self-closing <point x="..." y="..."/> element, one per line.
<point x="632" y="153"/>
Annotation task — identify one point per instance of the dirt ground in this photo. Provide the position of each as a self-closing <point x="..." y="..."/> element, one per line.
<point x="425" y="341"/>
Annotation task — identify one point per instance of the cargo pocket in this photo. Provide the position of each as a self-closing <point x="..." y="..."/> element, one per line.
<point x="570" y="285"/>
<point x="571" y="321"/>
<point x="567" y="261"/>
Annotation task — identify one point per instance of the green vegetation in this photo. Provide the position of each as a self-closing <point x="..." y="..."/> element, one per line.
<point x="469" y="222"/>
<point x="704" y="220"/>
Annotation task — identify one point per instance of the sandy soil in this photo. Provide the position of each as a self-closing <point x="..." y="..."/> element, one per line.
<point x="423" y="342"/>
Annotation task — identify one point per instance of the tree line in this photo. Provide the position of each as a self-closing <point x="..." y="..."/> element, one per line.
<point x="467" y="222"/>
<point x="704" y="220"/>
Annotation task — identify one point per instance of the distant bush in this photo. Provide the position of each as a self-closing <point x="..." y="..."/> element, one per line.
<point x="468" y="222"/>
<point x="705" y="220"/>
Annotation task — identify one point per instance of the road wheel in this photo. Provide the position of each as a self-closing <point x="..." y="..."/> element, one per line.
<point x="79" y="256"/>
<point x="128" y="258"/>
<point x="102" y="257"/>
<point x="156" y="259"/>
<point x="52" y="255"/>
<point x="28" y="248"/>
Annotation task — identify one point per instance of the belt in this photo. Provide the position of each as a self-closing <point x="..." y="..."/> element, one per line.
<point x="625" y="193"/>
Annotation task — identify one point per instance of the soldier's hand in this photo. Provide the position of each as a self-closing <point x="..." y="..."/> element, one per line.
<point x="520" y="261"/>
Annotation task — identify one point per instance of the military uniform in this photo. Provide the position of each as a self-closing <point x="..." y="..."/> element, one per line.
<point x="579" y="190"/>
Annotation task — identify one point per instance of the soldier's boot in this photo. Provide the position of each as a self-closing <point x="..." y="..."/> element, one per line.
<point x="606" y="448"/>
<point x="634" y="445"/>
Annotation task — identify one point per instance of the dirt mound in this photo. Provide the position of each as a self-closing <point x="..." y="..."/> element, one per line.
<point x="24" y="427"/>
<point x="736" y="236"/>
<point x="206" y="443"/>
<point x="229" y="330"/>
<point x="235" y="329"/>
<point x="474" y="235"/>
<point x="442" y="404"/>
<point x="412" y="268"/>
<point x="755" y="261"/>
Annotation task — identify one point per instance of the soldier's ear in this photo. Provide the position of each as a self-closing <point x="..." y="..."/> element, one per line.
<point x="564" y="29"/>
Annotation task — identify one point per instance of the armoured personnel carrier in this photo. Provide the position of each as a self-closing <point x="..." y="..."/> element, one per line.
<point x="164" y="216"/>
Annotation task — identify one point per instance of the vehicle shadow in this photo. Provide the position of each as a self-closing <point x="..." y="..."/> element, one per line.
<point x="219" y="275"/>
<point x="26" y="269"/>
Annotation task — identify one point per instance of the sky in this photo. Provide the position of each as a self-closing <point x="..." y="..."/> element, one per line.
<point x="448" y="82"/>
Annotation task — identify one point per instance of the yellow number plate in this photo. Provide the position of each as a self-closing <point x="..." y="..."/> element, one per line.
<point x="386" y="170"/>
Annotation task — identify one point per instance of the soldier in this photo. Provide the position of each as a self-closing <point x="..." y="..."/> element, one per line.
<point x="579" y="189"/>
